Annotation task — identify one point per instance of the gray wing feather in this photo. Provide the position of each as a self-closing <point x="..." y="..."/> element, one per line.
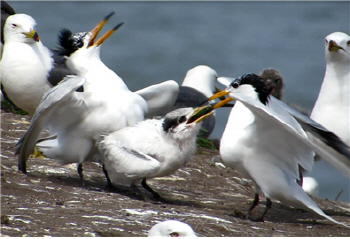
<point x="160" y="97"/>
<point x="42" y="116"/>
<point x="127" y="161"/>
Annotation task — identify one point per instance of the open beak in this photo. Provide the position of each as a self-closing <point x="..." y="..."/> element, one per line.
<point x="98" y="28"/>
<point x="32" y="34"/>
<point x="333" y="46"/>
<point x="202" y="112"/>
<point x="219" y="95"/>
<point x="107" y="34"/>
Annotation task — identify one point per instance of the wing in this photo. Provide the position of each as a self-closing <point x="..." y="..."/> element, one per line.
<point x="325" y="143"/>
<point x="319" y="134"/>
<point x="47" y="109"/>
<point x="160" y="97"/>
<point x="125" y="160"/>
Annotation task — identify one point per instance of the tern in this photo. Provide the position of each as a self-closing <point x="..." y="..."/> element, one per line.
<point x="28" y="69"/>
<point x="332" y="108"/>
<point x="152" y="148"/>
<point x="171" y="228"/>
<point x="75" y="118"/>
<point x="265" y="140"/>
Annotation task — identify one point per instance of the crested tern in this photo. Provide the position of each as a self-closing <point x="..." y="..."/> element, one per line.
<point x="265" y="140"/>
<point x="75" y="118"/>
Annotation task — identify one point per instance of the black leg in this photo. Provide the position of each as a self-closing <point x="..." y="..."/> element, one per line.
<point x="80" y="172"/>
<point x="155" y="194"/>
<point x="254" y="204"/>
<point x="268" y="206"/>
<point x="137" y="191"/>
<point x="109" y="183"/>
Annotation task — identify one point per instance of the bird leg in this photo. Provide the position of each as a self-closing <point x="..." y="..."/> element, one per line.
<point x="109" y="183"/>
<point x="156" y="196"/>
<point x="137" y="191"/>
<point x="254" y="204"/>
<point x="80" y="172"/>
<point x="268" y="206"/>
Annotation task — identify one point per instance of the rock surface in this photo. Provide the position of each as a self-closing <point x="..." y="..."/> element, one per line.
<point x="50" y="201"/>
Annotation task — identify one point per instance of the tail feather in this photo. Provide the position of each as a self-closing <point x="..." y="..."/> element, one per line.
<point x="303" y="201"/>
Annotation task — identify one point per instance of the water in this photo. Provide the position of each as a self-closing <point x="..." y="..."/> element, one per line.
<point x="162" y="40"/>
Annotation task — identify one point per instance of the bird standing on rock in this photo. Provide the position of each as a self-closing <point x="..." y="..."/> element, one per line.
<point x="152" y="148"/>
<point x="265" y="140"/>
<point x="75" y="118"/>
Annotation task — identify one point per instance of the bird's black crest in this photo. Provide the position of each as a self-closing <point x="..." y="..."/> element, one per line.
<point x="69" y="42"/>
<point x="257" y="82"/>
<point x="169" y="123"/>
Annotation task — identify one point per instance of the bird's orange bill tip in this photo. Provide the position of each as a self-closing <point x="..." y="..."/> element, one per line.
<point x="200" y="113"/>
<point x="32" y="34"/>
<point x="218" y="95"/>
<point x="222" y="103"/>
<point x="98" y="28"/>
<point x="107" y="34"/>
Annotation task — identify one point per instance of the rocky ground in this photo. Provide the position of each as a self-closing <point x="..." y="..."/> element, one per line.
<point x="50" y="201"/>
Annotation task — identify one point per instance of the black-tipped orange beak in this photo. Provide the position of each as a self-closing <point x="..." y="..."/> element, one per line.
<point x="98" y="28"/>
<point x="218" y="95"/>
<point x="107" y="34"/>
<point x="202" y="112"/>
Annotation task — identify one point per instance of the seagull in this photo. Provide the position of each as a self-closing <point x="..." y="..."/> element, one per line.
<point x="171" y="228"/>
<point x="74" y="118"/>
<point x="310" y="186"/>
<point x="27" y="67"/>
<point x="266" y="140"/>
<point x="152" y="148"/>
<point x="197" y="86"/>
<point x="332" y="108"/>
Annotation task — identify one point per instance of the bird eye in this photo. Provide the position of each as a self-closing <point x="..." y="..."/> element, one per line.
<point x="235" y="85"/>
<point x="182" y="119"/>
<point x="174" y="234"/>
<point x="276" y="80"/>
<point x="14" y="25"/>
<point x="80" y="44"/>
<point x="348" y="43"/>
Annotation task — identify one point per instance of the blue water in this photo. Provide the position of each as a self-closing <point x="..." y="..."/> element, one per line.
<point x="162" y="40"/>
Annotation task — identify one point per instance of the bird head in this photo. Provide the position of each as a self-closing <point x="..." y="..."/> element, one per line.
<point x="185" y="123"/>
<point x="250" y="85"/>
<point x="274" y="82"/>
<point x="84" y="42"/>
<point x="337" y="47"/>
<point x="171" y="228"/>
<point x="201" y="78"/>
<point x="20" y="28"/>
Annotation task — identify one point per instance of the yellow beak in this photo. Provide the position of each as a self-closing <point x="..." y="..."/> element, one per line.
<point x="32" y="34"/>
<point x="333" y="46"/>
